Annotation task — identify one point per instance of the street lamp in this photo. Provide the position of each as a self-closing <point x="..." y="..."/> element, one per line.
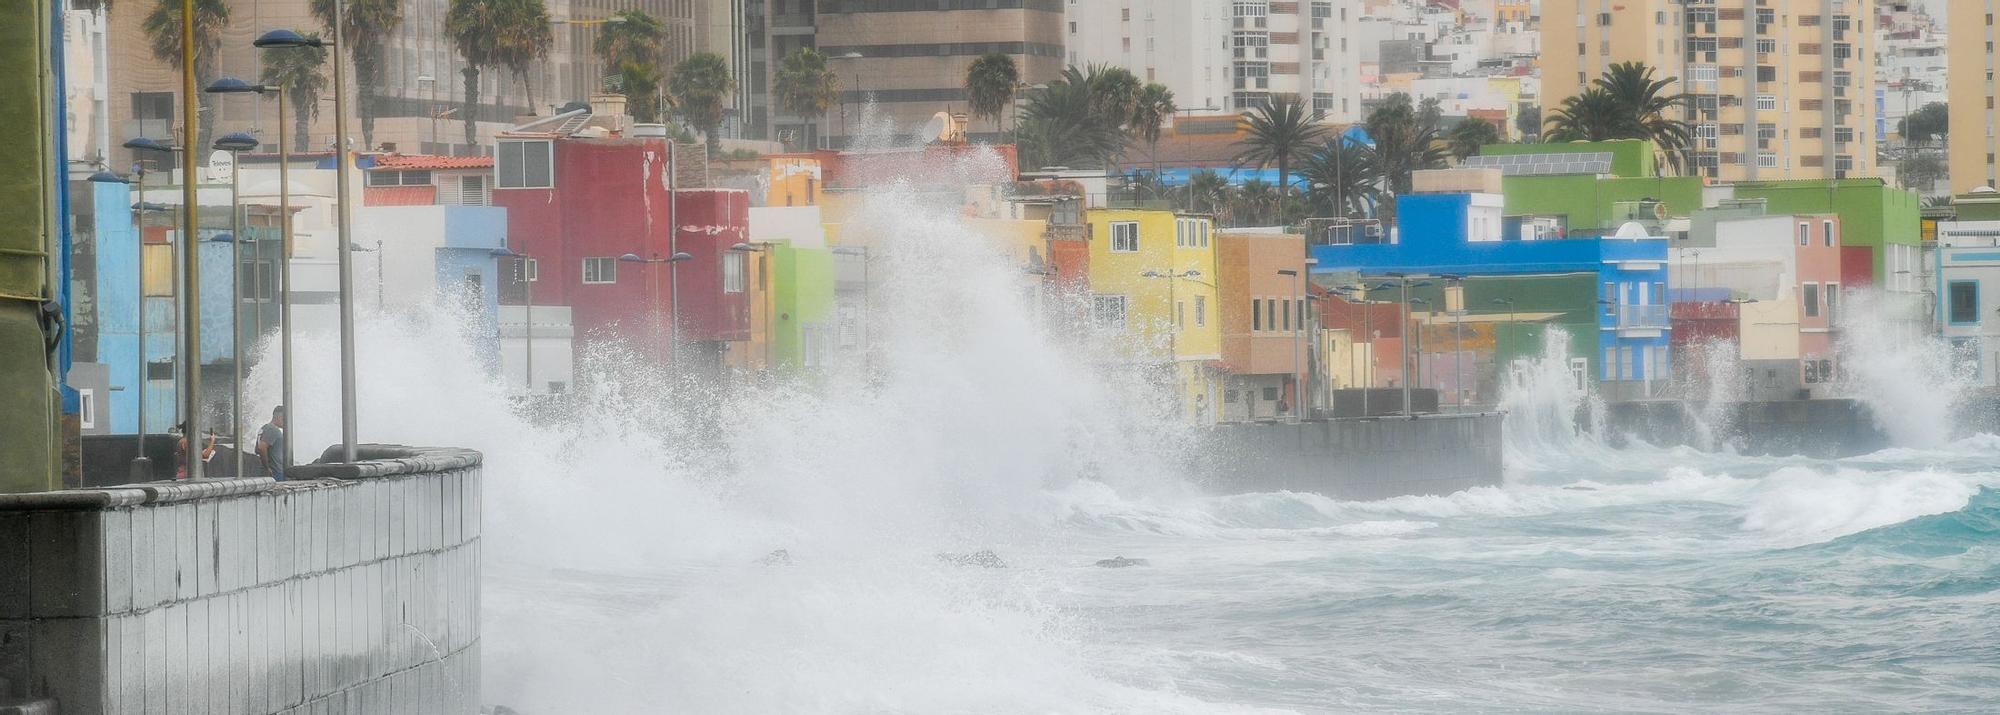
<point x="673" y="337"/>
<point x="527" y="312"/>
<point x="1454" y="299"/>
<point x="284" y="39"/>
<point x="141" y="467"/>
<point x="1359" y="296"/>
<point x="188" y="387"/>
<point x="235" y="143"/>
<point x="1404" y="284"/>
<point x="1298" y="310"/>
<point x="232" y="85"/>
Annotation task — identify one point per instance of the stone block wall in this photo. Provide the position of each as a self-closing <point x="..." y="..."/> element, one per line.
<point x="1362" y="458"/>
<point x="351" y="588"/>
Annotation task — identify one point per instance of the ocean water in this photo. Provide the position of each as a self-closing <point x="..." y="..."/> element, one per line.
<point x="629" y="540"/>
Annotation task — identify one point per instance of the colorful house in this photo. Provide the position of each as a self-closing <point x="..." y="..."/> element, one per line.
<point x="1770" y="283"/>
<point x="1968" y="291"/>
<point x="1266" y="341"/>
<point x="1609" y="293"/>
<point x="1152" y="291"/>
<point x="1879" y="226"/>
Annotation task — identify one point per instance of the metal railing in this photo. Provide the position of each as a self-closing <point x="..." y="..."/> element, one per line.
<point x="1644" y="317"/>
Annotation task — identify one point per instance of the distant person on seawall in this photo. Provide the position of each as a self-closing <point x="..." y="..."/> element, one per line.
<point x="271" y="444"/>
<point x="181" y="451"/>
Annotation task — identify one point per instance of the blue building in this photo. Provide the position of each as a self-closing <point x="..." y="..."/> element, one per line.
<point x="1608" y="293"/>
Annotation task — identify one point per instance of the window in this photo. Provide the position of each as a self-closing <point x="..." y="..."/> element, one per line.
<point x="1200" y="311"/>
<point x="1826" y="231"/>
<point x="1766" y="73"/>
<point x="1203" y="225"/>
<point x="1827" y="297"/>
<point x="600" y="270"/>
<point x="1125" y="237"/>
<point x="1108" y="311"/>
<point x="525" y="164"/>
<point x="399" y="178"/>
<point x="157" y="370"/>
<point x="533" y="269"/>
<point x="1963" y="298"/>
<point x="86" y="407"/>
<point x="1767" y="160"/>
<point x="732" y="272"/>
<point x="1256" y="314"/>
<point x="472" y="191"/>
<point x="1270" y="394"/>
<point x="1610" y="298"/>
<point x="1288" y="317"/>
<point x="1180" y="234"/>
<point x="1180" y="314"/>
<point x="1809" y="299"/>
<point x="1805" y="233"/>
<point x="1767" y="102"/>
<point x="1765" y="47"/>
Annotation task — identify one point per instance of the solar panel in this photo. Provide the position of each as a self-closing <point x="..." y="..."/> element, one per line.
<point x="1544" y="164"/>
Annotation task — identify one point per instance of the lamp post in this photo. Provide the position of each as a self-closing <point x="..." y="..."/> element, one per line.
<point x="527" y="312"/>
<point x="1454" y="303"/>
<point x="1403" y="283"/>
<point x="846" y="139"/>
<point x="141" y="467"/>
<point x="289" y="39"/>
<point x="1298" y="390"/>
<point x="673" y="337"/>
<point x="1418" y="365"/>
<point x="188" y="347"/>
<point x="1173" y="311"/>
<point x="232" y="85"/>
<point x="235" y="143"/>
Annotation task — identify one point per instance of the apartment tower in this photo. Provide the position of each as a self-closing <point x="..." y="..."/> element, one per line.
<point x="1970" y="85"/>
<point x="908" y="59"/>
<point x="1782" y="89"/>
<point x="1228" y="55"/>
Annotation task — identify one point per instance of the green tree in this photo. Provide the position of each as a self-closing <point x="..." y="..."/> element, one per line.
<point x="1070" y="123"/>
<point x="989" y="85"/>
<point x="1650" y="107"/>
<point x="366" y="24"/>
<point x="806" y="87"/>
<point x="1528" y="120"/>
<point x="1406" y="141"/>
<point x="1207" y="191"/>
<point x="1341" y="175"/>
<point x="1466" y="138"/>
<point x="163" y="27"/>
<point x="521" y="38"/>
<point x="1149" y="113"/>
<point x="1920" y="172"/>
<point x="1931" y="121"/>
<point x="466" y="24"/>
<point x="1281" y="132"/>
<point x="1253" y="204"/>
<point x="1590" y="115"/>
<point x="1114" y="91"/>
<point x="700" y="87"/>
<point x="633" y="48"/>
<point x="301" y="71"/>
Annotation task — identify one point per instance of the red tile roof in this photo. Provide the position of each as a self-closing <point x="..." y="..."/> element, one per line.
<point x="434" y="163"/>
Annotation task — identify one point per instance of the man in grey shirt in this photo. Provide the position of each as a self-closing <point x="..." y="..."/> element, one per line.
<point x="271" y="444"/>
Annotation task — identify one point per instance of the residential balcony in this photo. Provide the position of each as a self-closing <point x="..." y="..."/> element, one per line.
<point x="1644" y="317"/>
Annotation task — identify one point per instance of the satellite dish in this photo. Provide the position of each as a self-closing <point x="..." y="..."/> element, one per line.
<point x="938" y="128"/>
<point x="1632" y="229"/>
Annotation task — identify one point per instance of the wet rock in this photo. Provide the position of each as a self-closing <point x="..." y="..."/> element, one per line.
<point x="1119" y="562"/>
<point x="983" y="558"/>
<point x="779" y="557"/>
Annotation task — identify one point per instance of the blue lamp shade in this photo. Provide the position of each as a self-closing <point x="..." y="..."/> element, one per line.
<point x="632" y="258"/>
<point x="276" y="39"/>
<point x="148" y="144"/>
<point x="232" y="85"/>
<point x="224" y="237"/>
<point x="682" y="256"/>
<point x="236" y="141"/>
<point x="106" y="177"/>
<point x="505" y="253"/>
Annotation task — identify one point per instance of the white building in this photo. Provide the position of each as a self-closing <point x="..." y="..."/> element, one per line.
<point x="1227" y="54"/>
<point x="1967" y="311"/>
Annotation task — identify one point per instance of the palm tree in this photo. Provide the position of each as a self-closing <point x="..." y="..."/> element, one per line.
<point x="521" y="38"/>
<point x="632" y="46"/>
<point x="366" y="25"/>
<point x="1064" y="122"/>
<point x="1406" y="141"/>
<point x="1590" y="115"/>
<point x="1251" y="203"/>
<point x="989" y="85"/>
<point x="163" y="26"/>
<point x="1466" y="138"/>
<point x="1341" y="174"/>
<point x="466" y="24"/>
<point x="700" y="87"/>
<point x="1207" y="191"/>
<point x="1114" y="91"/>
<point x="1650" y="107"/>
<point x="1154" y="105"/>
<point x="1281" y="133"/>
<point x="806" y="88"/>
<point x="301" y="72"/>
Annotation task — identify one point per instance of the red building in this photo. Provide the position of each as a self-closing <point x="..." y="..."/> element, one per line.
<point x="577" y="204"/>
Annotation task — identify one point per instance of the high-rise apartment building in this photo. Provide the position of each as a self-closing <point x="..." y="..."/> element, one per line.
<point x="1228" y="55"/>
<point x="909" y="57"/>
<point x="1782" y="89"/>
<point x="1970" y="85"/>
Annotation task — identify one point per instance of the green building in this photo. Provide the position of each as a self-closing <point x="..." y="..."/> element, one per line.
<point x="1590" y="202"/>
<point x="1873" y="214"/>
<point x="802" y="302"/>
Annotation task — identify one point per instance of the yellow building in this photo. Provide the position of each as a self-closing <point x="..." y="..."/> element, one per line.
<point x="1781" y="89"/>
<point x="1969" y="83"/>
<point x="1152" y="284"/>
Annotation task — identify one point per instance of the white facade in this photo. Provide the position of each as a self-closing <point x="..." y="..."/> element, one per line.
<point x="1967" y="311"/>
<point x="1226" y="54"/>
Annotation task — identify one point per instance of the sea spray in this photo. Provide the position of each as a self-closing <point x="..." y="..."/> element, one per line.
<point x="1909" y="378"/>
<point x="1549" y="414"/>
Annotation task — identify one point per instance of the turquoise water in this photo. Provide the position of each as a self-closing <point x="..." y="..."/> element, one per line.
<point x="1610" y="581"/>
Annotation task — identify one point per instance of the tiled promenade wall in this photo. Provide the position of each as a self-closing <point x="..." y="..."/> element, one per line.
<point x="353" y="588"/>
<point x="1362" y="458"/>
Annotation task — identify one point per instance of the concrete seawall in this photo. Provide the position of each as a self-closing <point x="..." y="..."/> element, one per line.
<point x="1362" y="458"/>
<point x="351" y="588"/>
